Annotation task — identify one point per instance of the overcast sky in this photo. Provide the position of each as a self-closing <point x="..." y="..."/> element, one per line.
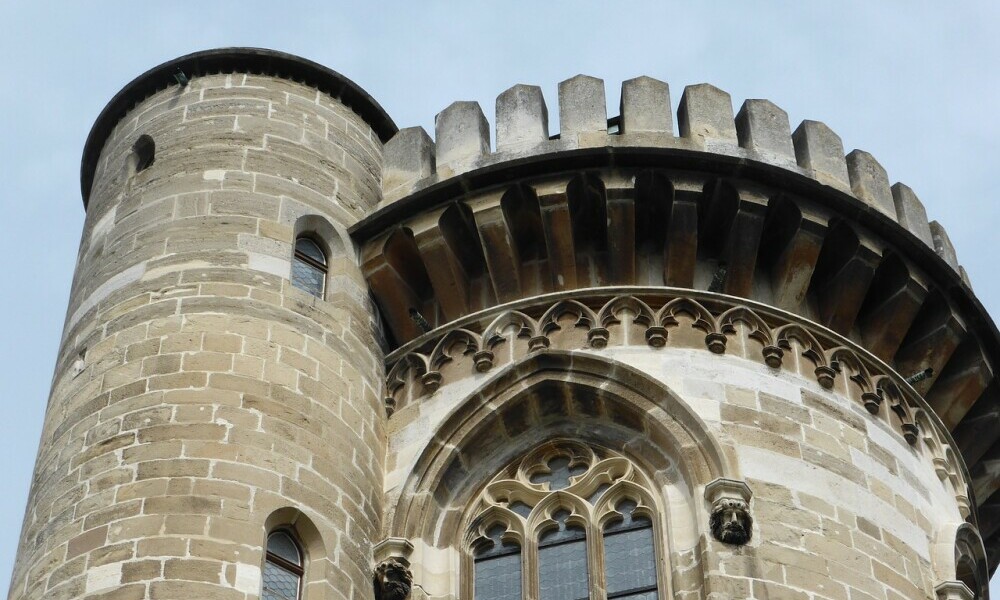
<point x="914" y="83"/>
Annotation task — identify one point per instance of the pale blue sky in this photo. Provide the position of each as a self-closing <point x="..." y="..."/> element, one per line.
<point x="914" y="83"/>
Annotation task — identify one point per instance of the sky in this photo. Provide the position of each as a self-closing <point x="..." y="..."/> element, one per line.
<point x="915" y="83"/>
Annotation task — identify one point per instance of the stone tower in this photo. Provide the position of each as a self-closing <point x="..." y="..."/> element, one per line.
<point x="310" y="356"/>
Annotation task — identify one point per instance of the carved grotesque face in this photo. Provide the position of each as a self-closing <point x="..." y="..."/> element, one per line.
<point x="731" y="522"/>
<point x="392" y="580"/>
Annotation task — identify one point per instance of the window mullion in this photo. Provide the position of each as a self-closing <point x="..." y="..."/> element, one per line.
<point x="595" y="560"/>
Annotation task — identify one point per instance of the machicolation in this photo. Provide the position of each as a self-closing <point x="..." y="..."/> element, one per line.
<point x="309" y="355"/>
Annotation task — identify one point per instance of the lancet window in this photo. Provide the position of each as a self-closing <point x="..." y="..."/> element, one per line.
<point x="309" y="267"/>
<point x="566" y="522"/>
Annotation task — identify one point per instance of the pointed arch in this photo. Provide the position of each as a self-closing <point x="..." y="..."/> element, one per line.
<point x="527" y="403"/>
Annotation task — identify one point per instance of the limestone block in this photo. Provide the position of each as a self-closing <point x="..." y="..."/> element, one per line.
<point x="870" y="182"/>
<point x="943" y="245"/>
<point x="965" y="276"/>
<point x="910" y="213"/>
<point x="953" y="590"/>
<point x="645" y="106"/>
<point x="462" y="136"/>
<point x="706" y="113"/>
<point x="409" y="157"/>
<point x="582" y="107"/>
<point x="522" y="119"/>
<point x="820" y="150"/>
<point x="763" y="127"/>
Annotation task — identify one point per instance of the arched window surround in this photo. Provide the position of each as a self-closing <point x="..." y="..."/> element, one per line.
<point x="551" y="395"/>
<point x="282" y="563"/>
<point x="316" y="563"/>
<point x="610" y="476"/>
<point x="331" y="242"/>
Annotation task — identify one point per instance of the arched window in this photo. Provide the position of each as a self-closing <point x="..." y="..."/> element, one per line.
<point x="282" y="568"/>
<point x="498" y="567"/>
<point x="629" y="555"/>
<point x="309" y="267"/>
<point x="569" y="507"/>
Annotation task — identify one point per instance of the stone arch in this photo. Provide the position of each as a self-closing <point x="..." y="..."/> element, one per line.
<point x="318" y="566"/>
<point x="970" y="560"/>
<point x="332" y="239"/>
<point x="547" y="395"/>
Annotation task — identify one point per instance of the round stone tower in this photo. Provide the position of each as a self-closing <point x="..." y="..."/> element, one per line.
<point x="200" y="399"/>
<point x="310" y="356"/>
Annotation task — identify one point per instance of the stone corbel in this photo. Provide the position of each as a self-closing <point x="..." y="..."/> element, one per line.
<point x="731" y="521"/>
<point x="953" y="590"/>
<point x="392" y="578"/>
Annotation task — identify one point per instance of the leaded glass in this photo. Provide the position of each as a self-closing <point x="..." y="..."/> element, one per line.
<point x="498" y="568"/>
<point x="280" y="543"/>
<point x="629" y="555"/>
<point x="279" y="583"/>
<point x="309" y="267"/>
<point x="560" y="470"/>
<point x="562" y="562"/>
<point x="308" y="278"/>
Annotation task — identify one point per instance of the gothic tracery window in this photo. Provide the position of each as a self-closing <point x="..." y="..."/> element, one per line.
<point x="563" y="521"/>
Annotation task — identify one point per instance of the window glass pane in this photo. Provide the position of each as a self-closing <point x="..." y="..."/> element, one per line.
<point x="499" y="578"/>
<point x="307" y="277"/>
<point x="562" y="561"/>
<point x="309" y="248"/>
<point x="279" y="584"/>
<point x="562" y="571"/>
<point x="629" y="555"/>
<point x="281" y="544"/>
<point x="498" y="567"/>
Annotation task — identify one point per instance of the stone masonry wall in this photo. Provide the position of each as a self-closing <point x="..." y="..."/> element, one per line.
<point x="844" y="507"/>
<point x="197" y="392"/>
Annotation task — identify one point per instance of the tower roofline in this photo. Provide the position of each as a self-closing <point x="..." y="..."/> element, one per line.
<point x="222" y="60"/>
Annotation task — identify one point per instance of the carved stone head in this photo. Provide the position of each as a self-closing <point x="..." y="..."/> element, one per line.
<point x="392" y="580"/>
<point x="731" y="522"/>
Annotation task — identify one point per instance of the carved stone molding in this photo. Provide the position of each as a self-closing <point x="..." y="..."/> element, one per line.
<point x="953" y="590"/>
<point x="731" y="521"/>
<point x="599" y="319"/>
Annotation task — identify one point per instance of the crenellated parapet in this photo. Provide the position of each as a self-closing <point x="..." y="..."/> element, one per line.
<point x="736" y="204"/>
<point x="759" y="132"/>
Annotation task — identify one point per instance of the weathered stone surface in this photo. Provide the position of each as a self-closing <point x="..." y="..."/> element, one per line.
<point x="582" y="107"/>
<point x="820" y="150"/>
<point x="911" y="214"/>
<point x="462" y="136"/>
<point x="645" y="106"/>
<point x="870" y="182"/>
<point x="763" y="128"/>
<point x="706" y="114"/>
<point x="409" y="156"/>
<point x="522" y="119"/>
<point x="942" y="244"/>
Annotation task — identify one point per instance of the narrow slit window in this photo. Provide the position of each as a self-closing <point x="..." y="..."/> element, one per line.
<point x="498" y="568"/>
<point x="629" y="556"/>
<point x="562" y="562"/>
<point x="143" y="153"/>
<point x="282" y="568"/>
<point x="309" y="267"/>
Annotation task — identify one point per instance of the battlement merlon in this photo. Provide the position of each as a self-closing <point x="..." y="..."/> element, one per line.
<point x="758" y="132"/>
